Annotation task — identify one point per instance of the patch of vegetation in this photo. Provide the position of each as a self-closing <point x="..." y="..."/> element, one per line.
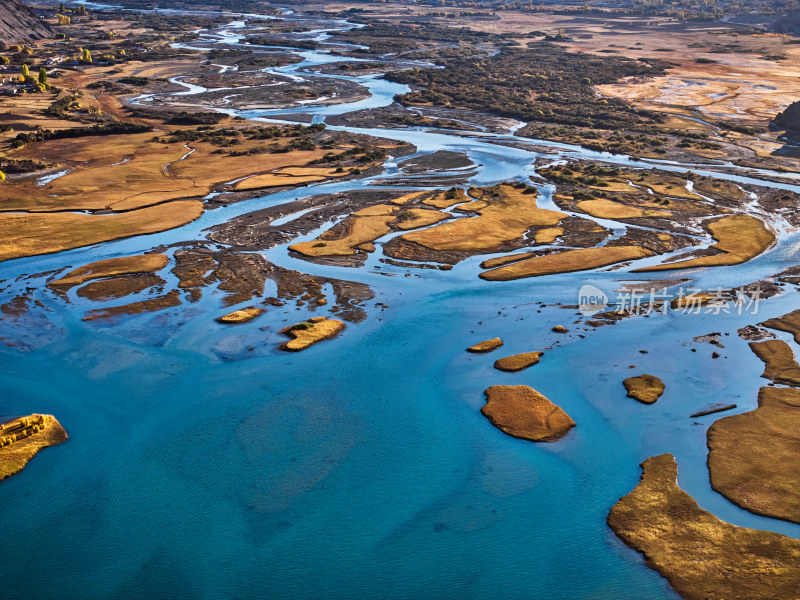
<point x="133" y="80"/>
<point x="386" y="38"/>
<point x="196" y="118"/>
<point x="541" y="83"/>
<point x="282" y="43"/>
<point x="256" y="60"/>
<point x="114" y="128"/>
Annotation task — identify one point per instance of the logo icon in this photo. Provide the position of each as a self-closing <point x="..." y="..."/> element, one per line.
<point x="591" y="299"/>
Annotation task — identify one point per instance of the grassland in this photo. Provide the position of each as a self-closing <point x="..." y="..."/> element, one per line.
<point x="34" y="234"/>
<point x="111" y="268"/>
<point x="565" y="262"/>
<point x="505" y="215"/>
<point x="780" y="364"/>
<point x="644" y="388"/>
<point x="752" y="456"/>
<point x="244" y="315"/>
<point x="313" y="331"/>
<point x="739" y="238"/>
<point x="789" y="323"/>
<point x="700" y="555"/>
<point x="517" y="362"/>
<point x="21" y="439"/>
<point x="522" y="412"/>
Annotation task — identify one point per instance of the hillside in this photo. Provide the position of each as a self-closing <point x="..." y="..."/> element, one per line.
<point x="19" y="24"/>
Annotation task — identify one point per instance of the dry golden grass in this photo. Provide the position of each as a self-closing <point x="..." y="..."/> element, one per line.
<point x="702" y="556"/>
<point x="505" y="217"/>
<point x="608" y="209"/>
<point x="614" y="185"/>
<point x="363" y="226"/>
<point x="753" y="456"/>
<point x="275" y="180"/>
<point x="310" y="332"/>
<point x="790" y="323"/>
<point x="243" y="315"/>
<point x="665" y="185"/>
<point x="408" y="198"/>
<point x="739" y="238"/>
<point x="15" y="455"/>
<point x="548" y="235"/>
<point x="486" y="346"/>
<point x="779" y="361"/>
<point x="290" y="176"/>
<point x="442" y="199"/>
<point x="517" y="362"/>
<point x="644" y="388"/>
<point x="112" y="267"/>
<point x="692" y="300"/>
<point x="122" y="172"/>
<point x="522" y="412"/>
<point x="34" y="234"/>
<point x="419" y="217"/>
<point x="565" y="262"/>
<point x="491" y="263"/>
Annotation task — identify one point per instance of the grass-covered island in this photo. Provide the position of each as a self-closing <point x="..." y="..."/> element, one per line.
<point x="21" y="439"/>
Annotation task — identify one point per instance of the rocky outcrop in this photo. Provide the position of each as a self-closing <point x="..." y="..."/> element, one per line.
<point x="789" y="119"/>
<point x="19" y="24"/>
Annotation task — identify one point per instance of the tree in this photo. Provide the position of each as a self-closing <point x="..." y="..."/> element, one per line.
<point x="43" y="76"/>
<point x="86" y="56"/>
<point x="2" y="176"/>
<point x="61" y="8"/>
<point x="25" y="71"/>
<point x="4" y="60"/>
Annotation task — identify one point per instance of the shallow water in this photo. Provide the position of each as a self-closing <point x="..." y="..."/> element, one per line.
<point x="362" y="467"/>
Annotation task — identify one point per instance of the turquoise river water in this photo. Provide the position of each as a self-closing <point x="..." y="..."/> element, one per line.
<point x="362" y="467"/>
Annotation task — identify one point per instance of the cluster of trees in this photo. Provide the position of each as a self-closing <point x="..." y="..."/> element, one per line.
<point x="20" y="430"/>
<point x="80" y="10"/>
<point x="39" y="82"/>
<point x="541" y="83"/>
<point x="115" y="128"/>
<point x="384" y="38"/>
